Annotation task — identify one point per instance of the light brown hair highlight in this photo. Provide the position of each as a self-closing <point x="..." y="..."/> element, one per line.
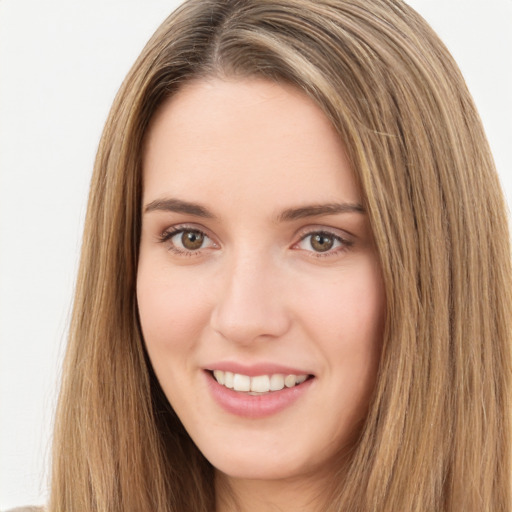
<point x="437" y="436"/>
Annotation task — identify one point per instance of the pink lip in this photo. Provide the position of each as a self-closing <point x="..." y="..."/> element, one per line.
<point x="255" y="406"/>
<point x="256" y="369"/>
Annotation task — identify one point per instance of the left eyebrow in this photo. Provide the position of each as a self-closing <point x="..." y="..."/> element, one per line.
<point x="319" y="209"/>
<point x="178" y="206"/>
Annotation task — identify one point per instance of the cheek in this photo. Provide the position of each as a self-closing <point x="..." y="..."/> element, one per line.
<point x="346" y="318"/>
<point x="348" y="312"/>
<point x="172" y="313"/>
<point x="172" y="309"/>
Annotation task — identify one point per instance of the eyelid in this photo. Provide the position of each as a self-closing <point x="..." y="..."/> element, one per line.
<point x="319" y="228"/>
<point x="345" y="239"/>
<point x="167" y="234"/>
<point x="184" y="226"/>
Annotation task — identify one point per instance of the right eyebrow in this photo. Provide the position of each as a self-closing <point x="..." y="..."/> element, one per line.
<point x="178" y="206"/>
<point x="316" y="210"/>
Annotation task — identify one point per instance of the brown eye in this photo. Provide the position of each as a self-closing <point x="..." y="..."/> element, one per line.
<point x="185" y="241"/>
<point x="322" y="242"/>
<point x="192" y="240"/>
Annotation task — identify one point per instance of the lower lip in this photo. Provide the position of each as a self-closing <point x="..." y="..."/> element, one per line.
<point x="255" y="406"/>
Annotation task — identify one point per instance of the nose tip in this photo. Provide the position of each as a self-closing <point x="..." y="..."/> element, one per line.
<point x="250" y="307"/>
<point x="247" y="327"/>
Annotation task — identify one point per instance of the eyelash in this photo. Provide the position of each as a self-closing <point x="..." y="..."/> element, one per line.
<point x="167" y="235"/>
<point x="345" y="244"/>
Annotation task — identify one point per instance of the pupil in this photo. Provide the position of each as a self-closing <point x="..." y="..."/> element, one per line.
<point x="322" y="243"/>
<point x="192" y="240"/>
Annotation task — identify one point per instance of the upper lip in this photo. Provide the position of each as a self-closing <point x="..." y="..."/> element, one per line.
<point x="253" y="370"/>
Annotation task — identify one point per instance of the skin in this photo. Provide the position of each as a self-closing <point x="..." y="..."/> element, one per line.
<point x="257" y="290"/>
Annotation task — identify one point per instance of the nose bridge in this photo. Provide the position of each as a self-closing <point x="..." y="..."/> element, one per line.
<point x="250" y="303"/>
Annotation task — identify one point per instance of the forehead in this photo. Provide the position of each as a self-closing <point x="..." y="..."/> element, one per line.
<point x="250" y="138"/>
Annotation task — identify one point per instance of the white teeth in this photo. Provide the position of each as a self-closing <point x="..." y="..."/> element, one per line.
<point x="259" y="384"/>
<point x="276" y="382"/>
<point x="228" y="379"/>
<point x="289" y="381"/>
<point x="219" y="375"/>
<point x="241" y="382"/>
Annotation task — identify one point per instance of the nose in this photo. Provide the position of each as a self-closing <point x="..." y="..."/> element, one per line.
<point x="251" y="304"/>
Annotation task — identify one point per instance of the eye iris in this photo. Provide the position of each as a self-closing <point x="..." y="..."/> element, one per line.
<point x="321" y="242"/>
<point x="192" y="240"/>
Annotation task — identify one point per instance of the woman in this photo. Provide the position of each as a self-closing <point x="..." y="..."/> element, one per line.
<point x="293" y="181"/>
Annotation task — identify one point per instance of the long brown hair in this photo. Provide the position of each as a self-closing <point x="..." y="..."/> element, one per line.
<point x="437" y="436"/>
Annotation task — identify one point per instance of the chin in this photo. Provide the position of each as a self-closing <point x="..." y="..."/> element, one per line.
<point x="272" y="461"/>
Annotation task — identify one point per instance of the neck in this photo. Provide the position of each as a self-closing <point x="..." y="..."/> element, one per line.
<point x="243" y="495"/>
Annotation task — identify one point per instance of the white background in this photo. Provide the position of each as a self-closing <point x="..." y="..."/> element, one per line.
<point x="61" y="63"/>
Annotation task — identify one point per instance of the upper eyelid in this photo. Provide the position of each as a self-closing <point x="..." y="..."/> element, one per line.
<point x="337" y="232"/>
<point x="166" y="236"/>
<point x="340" y="234"/>
<point x="343" y="240"/>
<point x="335" y="236"/>
<point x="173" y="230"/>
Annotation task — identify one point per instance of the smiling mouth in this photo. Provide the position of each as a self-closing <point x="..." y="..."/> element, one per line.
<point x="258" y="385"/>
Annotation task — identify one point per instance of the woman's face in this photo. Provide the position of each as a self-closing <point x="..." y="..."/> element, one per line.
<point x="258" y="272"/>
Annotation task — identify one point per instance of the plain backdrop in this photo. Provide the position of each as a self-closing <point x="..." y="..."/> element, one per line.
<point x="61" y="63"/>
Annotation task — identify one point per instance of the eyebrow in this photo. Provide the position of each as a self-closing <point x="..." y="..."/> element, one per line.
<point x="315" y="210"/>
<point x="178" y="206"/>
<point x="290" y="214"/>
